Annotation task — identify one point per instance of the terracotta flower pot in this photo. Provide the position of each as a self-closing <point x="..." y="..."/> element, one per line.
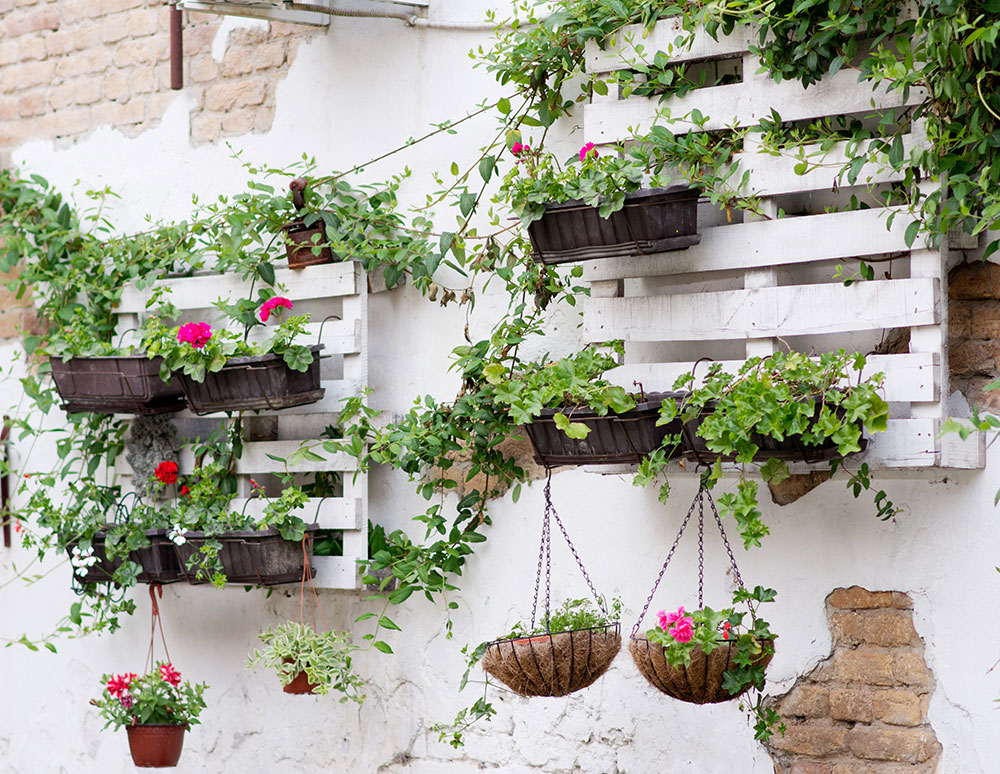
<point x="698" y="683"/>
<point x="155" y="745"/>
<point x="300" y="685"/>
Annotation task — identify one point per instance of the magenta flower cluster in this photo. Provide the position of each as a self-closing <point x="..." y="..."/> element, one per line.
<point x="518" y="149"/>
<point x="681" y="625"/>
<point x="587" y="150"/>
<point x="271" y="304"/>
<point x="197" y="334"/>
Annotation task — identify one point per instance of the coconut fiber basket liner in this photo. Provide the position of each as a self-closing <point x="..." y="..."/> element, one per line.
<point x="613" y="438"/>
<point x="252" y="557"/>
<point x="254" y="383"/>
<point x="158" y="560"/>
<point x="698" y="683"/>
<point x="115" y="385"/>
<point x="653" y="220"/>
<point x="553" y="664"/>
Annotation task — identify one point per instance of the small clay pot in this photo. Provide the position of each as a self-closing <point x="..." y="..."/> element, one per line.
<point x="301" y="240"/>
<point x="300" y="684"/>
<point x="155" y="745"/>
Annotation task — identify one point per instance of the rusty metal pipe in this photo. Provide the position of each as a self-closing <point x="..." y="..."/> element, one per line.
<point x="176" y="48"/>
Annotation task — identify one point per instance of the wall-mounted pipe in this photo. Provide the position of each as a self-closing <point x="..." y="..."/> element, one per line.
<point x="176" y="48"/>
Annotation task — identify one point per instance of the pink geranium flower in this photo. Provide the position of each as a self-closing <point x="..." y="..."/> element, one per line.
<point x="683" y="625"/>
<point x="586" y="151"/>
<point x="271" y="304"/>
<point x="196" y="334"/>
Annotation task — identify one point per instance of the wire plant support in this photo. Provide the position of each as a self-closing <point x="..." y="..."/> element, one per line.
<point x="560" y="663"/>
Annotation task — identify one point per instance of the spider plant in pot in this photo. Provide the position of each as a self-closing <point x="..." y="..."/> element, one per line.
<point x="310" y="662"/>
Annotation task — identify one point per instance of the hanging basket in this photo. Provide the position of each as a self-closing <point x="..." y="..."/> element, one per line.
<point x="158" y="560"/>
<point x="653" y="220"/>
<point x="155" y="745"/>
<point x="698" y="683"/>
<point x="613" y="438"/>
<point x="253" y="383"/>
<point x="253" y="557"/>
<point x="553" y="664"/>
<point x="301" y="241"/>
<point x="125" y="384"/>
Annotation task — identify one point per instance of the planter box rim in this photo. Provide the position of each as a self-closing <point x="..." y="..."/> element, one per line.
<point x="198" y="534"/>
<point x="679" y="192"/>
<point x="241" y="360"/>
<point x="652" y="403"/>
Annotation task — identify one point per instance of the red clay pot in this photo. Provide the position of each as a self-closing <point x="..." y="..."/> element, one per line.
<point x="155" y="745"/>
<point x="301" y="685"/>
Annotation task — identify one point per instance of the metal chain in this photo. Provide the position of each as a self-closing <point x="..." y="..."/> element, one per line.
<point x="663" y="569"/>
<point x="700" y="497"/>
<point x="586" y="577"/>
<point x="541" y="553"/>
<point x="722" y="531"/>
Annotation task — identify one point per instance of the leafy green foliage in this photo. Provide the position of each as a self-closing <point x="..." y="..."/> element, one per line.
<point x="150" y="698"/>
<point x="570" y="615"/>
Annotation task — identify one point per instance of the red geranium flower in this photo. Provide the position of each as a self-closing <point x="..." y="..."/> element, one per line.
<point x="185" y="490"/>
<point x="166" y="472"/>
<point x="170" y="674"/>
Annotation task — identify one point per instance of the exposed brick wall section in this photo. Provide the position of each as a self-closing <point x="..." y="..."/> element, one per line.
<point x="974" y="331"/>
<point x="864" y="709"/>
<point x="70" y="66"/>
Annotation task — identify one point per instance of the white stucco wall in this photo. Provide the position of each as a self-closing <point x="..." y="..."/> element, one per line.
<point x="370" y="85"/>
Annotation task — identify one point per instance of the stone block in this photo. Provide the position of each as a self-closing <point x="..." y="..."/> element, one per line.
<point x="202" y="69"/>
<point x="984" y="319"/>
<point x="61" y="96"/>
<point x="58" y="43"/>
<point x="72" y="122"/>
<point x="205" y="128"/>
<point x="970" y="357"/>
<point x="269" y="55"/>
<point x="87" y="91"/>
<point x="239" y="60"/>
<point x="812" y="739"/>
<point x="144" y="79"/>
<point x="10" y="109"/>
<point x="228" y="95"/>
<point x="909" y="745"/>
<point x="117" y="85"/>
<point x="146" y="22"/>
<point x="87" y="36"/>
<point x="807" y="701"/>
<point x="28" y="75"/>
<point x="852" y="704"/>
<point x="810" y="767"/>
<point x="899" y="708"/>
<point x="263" y="117"/>
<point x="114" y="28"/>
<point x="857" y="666"/>
<point x="28" y="21"/>
<point x="887" y="628"/>
<point x="136" y="52"/>
<point x="973" y="280"/>
<point x="857" y="598"/>
<point x="8" y="52"/>
<point x="237" y="122"/>
<point x="31" y="48"/>
<point x="909" y="668"/>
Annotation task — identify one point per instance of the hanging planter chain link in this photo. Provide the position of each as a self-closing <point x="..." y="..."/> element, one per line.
<point x="699" y="501"/>
<point x="545" y="553"/>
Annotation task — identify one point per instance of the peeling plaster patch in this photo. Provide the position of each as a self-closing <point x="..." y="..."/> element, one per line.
<point x="230" y="23"/>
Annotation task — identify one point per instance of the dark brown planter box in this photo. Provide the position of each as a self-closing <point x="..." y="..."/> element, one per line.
<point x="653" y="220"/>
<point x="698" y="683"/>
<point x="158" y="560"/>
<point x="792" y="448"/>
<point x="300" y="243"/>
<point x="250" y="383"/>
<point x="613" y="438"/>
<point x="123" y="384"/>
<point x="254" y="557"/>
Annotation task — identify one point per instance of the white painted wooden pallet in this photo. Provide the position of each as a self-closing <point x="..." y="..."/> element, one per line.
<point x="658" y="299"/>
<point x="342" y="286"/>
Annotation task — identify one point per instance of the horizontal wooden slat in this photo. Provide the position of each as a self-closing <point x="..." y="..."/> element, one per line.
<point x="833" y="236"/>
<point x="255" y="458"/>
<point x="336" y="572"/>
<point x="741" y="104"/>
<point x="326" y="281"/>
<point x="340" y="337"/>
<point x="328" y="512"/>
<point x="634" y="45"/>
<point x="764" y="312"/>
<point x="909" y="378"/>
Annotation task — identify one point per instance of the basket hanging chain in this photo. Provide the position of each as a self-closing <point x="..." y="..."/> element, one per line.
<point x="701" y="548"/>
<point x="663" y="569"/>
<point x="725" y="540"/>
<point x="579" y="562"/>
<point x="543" y="555"/>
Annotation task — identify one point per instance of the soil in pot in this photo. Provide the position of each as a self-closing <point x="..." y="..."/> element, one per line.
<point x="553" y="664"/>
<point x="251" y="383"/>
<point x="155" y="745"/>
<point x="653" y="220"/>
<point x="301" y="241"/>
<point x="613" y="439"/>
<point x="115" y="385"/>
<point x="698" y="683"/>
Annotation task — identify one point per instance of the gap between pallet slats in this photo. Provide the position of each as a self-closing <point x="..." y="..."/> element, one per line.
<point x="328" y="512"/>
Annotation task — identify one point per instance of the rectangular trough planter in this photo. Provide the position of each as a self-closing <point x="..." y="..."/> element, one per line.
<point x="254" y="383"/>
<point x="118" y="384"/>
<point x="158" y="560"/>
<point x="254" y="557"/>
<point x="613" y="439"/>
<point x="653" y="220"/>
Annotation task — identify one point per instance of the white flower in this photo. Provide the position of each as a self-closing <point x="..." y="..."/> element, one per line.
<point x="176" y="535"/>
<point x="81" y="560"/>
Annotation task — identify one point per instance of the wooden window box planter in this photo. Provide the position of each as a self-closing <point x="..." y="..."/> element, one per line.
<point x="158" y="560"/>
<point x="251" y="557"/>
<point x="653" y="220"/>
<point x="122" y="384"/>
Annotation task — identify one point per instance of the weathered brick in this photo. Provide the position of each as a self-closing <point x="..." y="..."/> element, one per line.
<point x="205" y="128"/>
<point x="239" y="60"/>
<point x="854" y="704"/>
<point x="144" y="79"/>
<point x="202" y="69"/>
<point x="118" y="114"/>
<point x="114" y="28"/>
<point x="807" y="701"/>
<point x="27" y="75"/>
<point x="136" y="52"/>
<point x="970" y="356"/>
<point x="59" y="43"/>
<point x="857" y="598"/>
<point x="263" y="118"/>
<point x="225" y="96"/>
<point x="886" y="628"/>
<point x="909" y="745"/>
<point x="70" y="122"/>
<point x="973" y="280"/>
<point x="61" y="96"/>
<point x="87" y="91"/>
<point x="31" y="48"/>
<point x="984" y="319"/>
<point x="811" y="739"/>
<point x="857" y="666"/>
<point x="269" y="55"/>
<point x="910" y="669"/>
<point x="810" y="767"/>
<point x="237" y="122"/>
<point x="145" y="22"/>
<point x="34" y="20"/>
<point x="899" y="708"/>
<point x="87" y="37"/>
<point x="8" y="52"/>
<point x="960" y="319"/>
<point x="117" y="84"/>
<point x="31" y="104"/>
<point x="93" y="60"/>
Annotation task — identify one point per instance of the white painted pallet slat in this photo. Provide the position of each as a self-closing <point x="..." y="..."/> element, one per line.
<point x="622" y="52"/>
<point x="340" y="337"/>
<point x="328" y="512"/>
<point x="333" y="280"/>
<point x="336" y="572"/>
<point x="908" y="377"/>
<point x="742" y="104"/>
<point x="780" y="311"/>
<point x="845" y="235"/>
